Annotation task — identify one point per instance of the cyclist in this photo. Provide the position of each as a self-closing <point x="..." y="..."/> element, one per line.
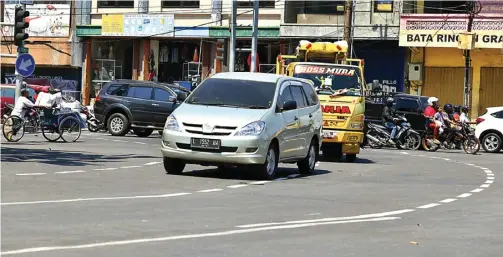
<point x="21" y="106"/>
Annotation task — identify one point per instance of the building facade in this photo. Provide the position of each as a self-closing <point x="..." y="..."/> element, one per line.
<point x="430" y="31"/>
<point x="50" y="43"/>
<point x="171" y="41"/>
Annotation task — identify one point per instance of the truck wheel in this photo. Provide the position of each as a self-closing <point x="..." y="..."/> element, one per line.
<point x="350" y="157"/>
<point x="118" y="124"/>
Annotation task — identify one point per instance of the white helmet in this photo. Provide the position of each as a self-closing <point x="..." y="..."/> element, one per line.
<point x="431" y="100"/>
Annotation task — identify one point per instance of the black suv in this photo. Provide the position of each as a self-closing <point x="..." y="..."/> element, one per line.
<point x="142" y="106"/>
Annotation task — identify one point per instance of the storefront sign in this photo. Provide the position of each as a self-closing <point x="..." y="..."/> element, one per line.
<point x="46" y="20"/>
<point x="437" y="31"/>
<point x="491" y="7"/>
<point x="137" y="25"/>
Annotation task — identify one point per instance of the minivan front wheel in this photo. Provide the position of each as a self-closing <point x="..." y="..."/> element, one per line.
<point x="118" y="124"/>
<point x="268" y="169"/>
<point x="173" y="166"/>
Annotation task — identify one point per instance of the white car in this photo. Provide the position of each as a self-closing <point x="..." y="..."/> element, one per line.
<point x="489" y="129"/>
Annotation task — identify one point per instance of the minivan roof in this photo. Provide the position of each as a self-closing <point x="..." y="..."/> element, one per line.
<point x="254" y="76"/>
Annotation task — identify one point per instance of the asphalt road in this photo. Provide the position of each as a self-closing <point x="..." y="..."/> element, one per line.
<point x="109" y="196"/>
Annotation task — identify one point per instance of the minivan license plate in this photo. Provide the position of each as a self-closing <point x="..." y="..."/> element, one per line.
<point x="205" y="143"/>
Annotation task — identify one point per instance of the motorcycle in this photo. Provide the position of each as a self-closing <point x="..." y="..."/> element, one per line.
<point x="93" y="124"/>
<point x="464" y="137"/>
<point x="379" y="136"/>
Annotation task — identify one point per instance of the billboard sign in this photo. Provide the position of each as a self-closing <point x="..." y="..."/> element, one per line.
<point x="46" y="20"/>
<point x="138" y="25"/>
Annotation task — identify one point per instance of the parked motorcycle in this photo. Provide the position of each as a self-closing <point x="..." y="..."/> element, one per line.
<point x="379" y="136"/>
<point x="93" y="124"/>
<point x="464" y="137"/>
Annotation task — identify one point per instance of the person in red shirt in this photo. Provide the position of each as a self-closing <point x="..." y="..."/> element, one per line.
<point x="429" y="113"/>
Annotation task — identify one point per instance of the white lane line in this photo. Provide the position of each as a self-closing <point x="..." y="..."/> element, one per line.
<point x="130" y="167"/>
<point x="464" y="195"/>
<point x="99" y="138"/>
<point x="469" y="164"/>
<point x="141" y="143"/>
<point x="210" y="190"/>
<point x="426" y="206"/>
<point x="30" y="174"/>
<point x="485" y="185"/>
<point x="478" y="190"/>
<point x="70" y="171"/>
<point x="171" y="238"/>
<point x="151" y="163"/>
<point x="317" y="164"/>
<point x="96" y="199"/>
<point x="448" y="200"/>
<point x="447" y="159"/>
<point x="488" y="171"/>
<point x="116" y="140"/>
<point x="404" y="152"/>
<point x="105" y="139"/>
<point x="102" y="169"/>
<point x="279" y="179"/>
<point x="489" y="181"/>
<point x="365" y="216"/>
<point x="293" y="176"/>
<point x="259" y="182"/>
<point x="237" y="186"/>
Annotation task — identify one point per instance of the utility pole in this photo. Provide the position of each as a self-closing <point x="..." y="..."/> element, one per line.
<point x="232" y="50"/>
<point x="348" y="24"/>
<point x="470" y="8"/>
<point x="254" y="36"/>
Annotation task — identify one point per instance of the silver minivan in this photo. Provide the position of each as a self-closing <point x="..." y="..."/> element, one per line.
<point x="243" y="118"/>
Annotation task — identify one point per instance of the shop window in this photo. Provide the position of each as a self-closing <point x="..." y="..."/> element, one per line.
<point x="444" y="7"/>
<point x="115" y="4"/>
<point x="261" y="4"/>
<point x="383" y="6"/>
<point x="180" y="4"/>
<point x="321" y="7"/>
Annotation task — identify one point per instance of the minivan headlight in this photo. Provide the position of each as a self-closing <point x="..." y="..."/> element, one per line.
<point x="252" y="129"/>
<point x="172" y="124"/>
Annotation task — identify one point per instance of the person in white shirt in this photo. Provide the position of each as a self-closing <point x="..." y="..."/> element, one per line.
<point x="464" y="115"/>
<point x="44" y="99"/>
<point x="22" y="104"/>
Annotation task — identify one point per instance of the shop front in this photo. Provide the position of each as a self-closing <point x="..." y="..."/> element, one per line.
<point x="435" y="49"/>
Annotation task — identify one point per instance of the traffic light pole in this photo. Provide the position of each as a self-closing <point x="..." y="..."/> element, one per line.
<point x="232" y="50"/>
<point x="19" y="78"/>
<point x="253" y="62"/>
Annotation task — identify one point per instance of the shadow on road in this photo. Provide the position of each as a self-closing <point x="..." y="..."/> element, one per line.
<point x="343" y="160"/>
<point x="247" y="174"/>
<point x="61" y="158"/>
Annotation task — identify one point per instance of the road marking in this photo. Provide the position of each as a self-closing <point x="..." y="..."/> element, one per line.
<point x="141" y="143"/>
<point x="447" y="159"/>
<point x="485" y="185"/>
<point x="488" y="172"/>
<point x="293" y="176"/>
<point x="116" y="140"/>
<point x="30" y="174"/>
<point x="237" y="186"/>
<point x="317" y="164"/>
<point x="428" y="206"/>
<point x="478" y="190"/>
<point x="259" y="182"/>
<point x="106" y="169"/>
<point x="97" y="199"/>
<point x="489" y="181"/>
<point x="469" y="164"/>
<point x="464" y="195"/>
<point x="171" y="238"/>
<point x="404" y="152"/>
<point x="151" y="163"/>
<point x="279" y="179"/>
<point x="70" y="171"/>
<point x="130" y="167"/>
<point x="365" y="216"/>
<point x="104" y="139"/>
<point x="448" y="200"/>
<point x="210" y="190"/>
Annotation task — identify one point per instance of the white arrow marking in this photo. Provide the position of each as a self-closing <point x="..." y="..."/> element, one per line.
<point x="25" y="64"/>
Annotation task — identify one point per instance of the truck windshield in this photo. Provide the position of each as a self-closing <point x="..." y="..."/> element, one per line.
<point x="328" y="79"/>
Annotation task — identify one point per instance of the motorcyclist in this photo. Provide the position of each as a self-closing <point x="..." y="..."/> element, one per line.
<point x="387" y="117"/>
<point x="429" y="113"/>
<point x="21" y="106"/>
<point x="449" y="121"/>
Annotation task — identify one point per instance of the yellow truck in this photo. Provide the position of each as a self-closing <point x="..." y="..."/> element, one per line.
<point x="340" y="86"/>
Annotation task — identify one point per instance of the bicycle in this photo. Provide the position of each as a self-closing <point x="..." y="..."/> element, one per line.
<point x="15" y="125"/>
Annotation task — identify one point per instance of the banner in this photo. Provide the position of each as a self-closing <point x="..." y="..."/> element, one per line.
<point x="443" y="31"/>
<point x="46" y="20"/>
<point x="138" y="25"/>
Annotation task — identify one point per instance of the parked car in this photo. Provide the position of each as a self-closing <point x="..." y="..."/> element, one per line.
<point x="489" y="129"/>
<point x="242" y="118"/>
<point x="142" y="106"/>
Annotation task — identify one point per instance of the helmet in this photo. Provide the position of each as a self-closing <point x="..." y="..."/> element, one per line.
<point x="457" y="108"/>
<point x="448" y="108"/>
<point x="389" y="101"/>
<point x="464" y="109"/>
<point x="432" y="100"/>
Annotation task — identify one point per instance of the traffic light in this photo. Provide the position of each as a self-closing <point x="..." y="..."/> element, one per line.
<point x="19" y="25"/>
<point x="223" y="50"/>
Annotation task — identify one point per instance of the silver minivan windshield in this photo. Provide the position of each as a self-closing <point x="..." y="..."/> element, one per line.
<point x="234" y="93"/>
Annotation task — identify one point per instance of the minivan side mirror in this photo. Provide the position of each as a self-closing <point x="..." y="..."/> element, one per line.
<point x="171" y="99"/>
<point x="289" y="105"/>
<point x="181" y="96"/>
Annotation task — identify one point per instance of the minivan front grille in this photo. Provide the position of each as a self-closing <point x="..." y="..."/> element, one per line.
<point x="223" y="149"/>
<point x="217" y="131"/>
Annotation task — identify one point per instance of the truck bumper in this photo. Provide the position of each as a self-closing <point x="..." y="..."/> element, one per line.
<point x="350" y="140"/>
